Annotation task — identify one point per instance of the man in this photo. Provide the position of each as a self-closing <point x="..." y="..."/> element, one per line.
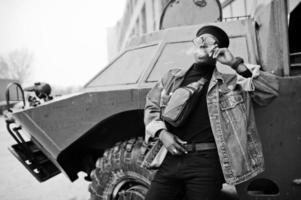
<point x="219" y="141"/>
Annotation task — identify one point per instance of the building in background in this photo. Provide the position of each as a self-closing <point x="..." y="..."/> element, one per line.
<point x="234" y="8"/>
<point x="140" y="17"/>
<point x="143" y="16"/>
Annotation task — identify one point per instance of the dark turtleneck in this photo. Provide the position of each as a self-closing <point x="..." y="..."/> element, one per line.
<point x="197" y="128"/>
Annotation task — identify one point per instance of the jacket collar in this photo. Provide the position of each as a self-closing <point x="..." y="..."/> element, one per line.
<point x="215" y="76"/>
<point x="181" y="73"/>
<point x="179" y="77"/>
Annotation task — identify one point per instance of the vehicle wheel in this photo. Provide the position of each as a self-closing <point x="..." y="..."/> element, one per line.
<point x="118" y="175"/>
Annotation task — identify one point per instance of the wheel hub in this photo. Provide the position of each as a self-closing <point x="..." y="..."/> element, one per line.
<point x="130" y="191"/>
<point x="134" y="193"/>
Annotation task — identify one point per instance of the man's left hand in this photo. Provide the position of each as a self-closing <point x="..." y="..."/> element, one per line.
<point x="224" y="56"/>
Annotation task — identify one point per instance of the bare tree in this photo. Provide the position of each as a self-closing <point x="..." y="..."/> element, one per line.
<point x="16" y="65"/>
<point x="4" y="68"/>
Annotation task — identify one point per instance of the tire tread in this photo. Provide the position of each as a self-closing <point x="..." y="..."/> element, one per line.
<point x="122" y="160"/>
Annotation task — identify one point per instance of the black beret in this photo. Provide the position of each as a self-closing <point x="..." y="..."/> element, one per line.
<point x="221" y="36"/>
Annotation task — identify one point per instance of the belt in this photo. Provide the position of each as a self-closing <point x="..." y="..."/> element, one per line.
<point x="199" y="147"/>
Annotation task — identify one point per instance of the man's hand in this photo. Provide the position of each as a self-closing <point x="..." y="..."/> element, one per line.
<point x="224" y="56"/>
<point x="172" y="143"/>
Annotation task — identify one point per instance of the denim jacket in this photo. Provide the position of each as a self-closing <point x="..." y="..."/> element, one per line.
<point x="229" y="102"/>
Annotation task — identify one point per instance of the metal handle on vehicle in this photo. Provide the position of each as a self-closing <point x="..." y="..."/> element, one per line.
<point x="17" y="91"/>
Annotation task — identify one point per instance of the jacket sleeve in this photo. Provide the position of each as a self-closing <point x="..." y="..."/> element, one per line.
<point x="152" y="111"/>
<point x="263" y="86"/>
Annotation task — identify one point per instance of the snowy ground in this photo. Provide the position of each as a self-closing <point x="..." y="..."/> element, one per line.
<point x="16" y="183"/>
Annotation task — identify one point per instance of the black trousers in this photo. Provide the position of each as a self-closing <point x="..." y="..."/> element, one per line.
<point x="195" y="176"/>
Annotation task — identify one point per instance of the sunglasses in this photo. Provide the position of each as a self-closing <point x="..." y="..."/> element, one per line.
<point x="206" y="42"/>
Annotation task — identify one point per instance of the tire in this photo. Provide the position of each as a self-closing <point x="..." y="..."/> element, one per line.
<point x="118" y="175"/>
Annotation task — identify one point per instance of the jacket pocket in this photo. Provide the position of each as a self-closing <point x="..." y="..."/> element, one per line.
<point x="230" y="100"/>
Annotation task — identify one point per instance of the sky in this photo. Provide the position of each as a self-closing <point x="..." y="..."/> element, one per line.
<point x="66" y="37"/>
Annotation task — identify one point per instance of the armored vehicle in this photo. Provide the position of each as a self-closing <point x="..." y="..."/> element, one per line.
<point x="100" y="129"/>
